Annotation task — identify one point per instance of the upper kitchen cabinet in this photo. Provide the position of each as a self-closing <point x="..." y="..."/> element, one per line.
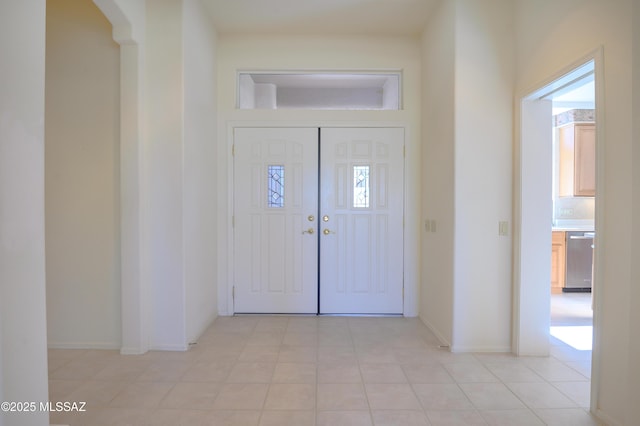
<point x="577" y="172"/>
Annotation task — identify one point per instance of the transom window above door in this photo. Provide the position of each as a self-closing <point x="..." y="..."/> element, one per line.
<point x="319" y="90"/>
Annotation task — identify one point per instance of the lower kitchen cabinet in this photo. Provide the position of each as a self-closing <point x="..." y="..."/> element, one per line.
<point x="558" y="250"/>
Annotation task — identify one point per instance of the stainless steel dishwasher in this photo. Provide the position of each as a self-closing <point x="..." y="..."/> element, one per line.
<point x="579" y="261"/>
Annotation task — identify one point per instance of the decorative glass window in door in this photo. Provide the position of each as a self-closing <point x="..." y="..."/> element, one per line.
<point x="275" y="193"/>
<point x="361" y="186"/>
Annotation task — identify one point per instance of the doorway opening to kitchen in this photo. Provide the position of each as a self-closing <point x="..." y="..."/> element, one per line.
<point x="573" y="221"/>
<point x="556" y="275"/>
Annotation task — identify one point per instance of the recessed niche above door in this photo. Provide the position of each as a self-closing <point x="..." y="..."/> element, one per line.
<point x="319" y="90"/>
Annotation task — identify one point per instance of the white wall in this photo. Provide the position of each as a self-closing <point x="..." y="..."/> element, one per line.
<point x="550" y="36"/>
<point x="200" y="126"/>
<point x="128" y="20"/>
<point x="483" y="175"/>
<point x="533" y="208"/>
<point x="634" y="299"/>
<point x="321" y="53"/>
<point x="438" y="65"/>
<point x="164" y="174"/>
<point x="467" y="110"/>
<point x="82" y="197"/>
<point x="23" y="368"/>
<point x="1" y="373"/>
<point x="180" y="174"/>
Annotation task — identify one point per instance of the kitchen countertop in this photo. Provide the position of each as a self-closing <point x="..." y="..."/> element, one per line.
<point x="573" y="225"/>
<point x="565" y="229"/>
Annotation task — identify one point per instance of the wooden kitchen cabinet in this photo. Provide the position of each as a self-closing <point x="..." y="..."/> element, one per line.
<point x="558" y="250"/>
<point x="577" y="160"/>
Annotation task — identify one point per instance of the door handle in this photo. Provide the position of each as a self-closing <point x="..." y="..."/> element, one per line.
<point x="327" y="232"/>
<point x="308" y="231"/>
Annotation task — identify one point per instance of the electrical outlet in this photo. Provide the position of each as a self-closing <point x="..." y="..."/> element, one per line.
<point x="433" y="226"/>
<point x="566" y="212"/>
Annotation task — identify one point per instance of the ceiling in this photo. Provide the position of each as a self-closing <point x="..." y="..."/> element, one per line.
<point x="314" y="17"/>
<point x="580" y="95"/>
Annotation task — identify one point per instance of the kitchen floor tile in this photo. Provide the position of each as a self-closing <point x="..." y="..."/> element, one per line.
<point x="346" y="396"/>
<point x="251" y="372"/>
<point x="491" y="396"/>
<point x="470" y="372"/>
<point x="442" y="397"/>
<point x="232" y="418"/>
<point x="142" y="395"/>
<point x="294" y="373"/>
<point x="351" y="418"/>
<point x="241" y="396"/>
<point x="566" y="416"/>
<point x="427" y="373"/>
<point x="397" y="418"/>
<point x="456" y="418"/>
<point x="195" y="396"/>
<point x="541" y="395"/>
<point x="289" y="396"/>
<point x="522" y="417"/>
<point x="392" y="396"/>
<point x="339" y="373"/>
<point x="288" y="418"/>
<point x="382" y="373"/>
<point x="578" y="392"/>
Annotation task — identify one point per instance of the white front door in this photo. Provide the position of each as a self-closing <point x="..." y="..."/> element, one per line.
<point x="278" y="227"/>
<point x="361" y="241"/>
<point x="275" y="225"/>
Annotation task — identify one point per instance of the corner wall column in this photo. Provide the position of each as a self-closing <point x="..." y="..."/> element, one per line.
<point x="127" y="20"/>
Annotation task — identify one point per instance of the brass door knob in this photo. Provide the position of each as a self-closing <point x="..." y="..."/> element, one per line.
<point x="327" y="232"/>
<point x="308" y="231"/>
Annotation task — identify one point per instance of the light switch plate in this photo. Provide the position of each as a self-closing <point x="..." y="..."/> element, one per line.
<point x="503" y="228"/>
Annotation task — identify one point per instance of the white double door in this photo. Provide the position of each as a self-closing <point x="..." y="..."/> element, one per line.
<point x="318" y="220"/>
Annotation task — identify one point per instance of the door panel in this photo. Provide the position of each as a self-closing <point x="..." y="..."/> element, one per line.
<point x="275" y="201"/>
<point x="361" y="241"/>
<point x="276" y="230"/>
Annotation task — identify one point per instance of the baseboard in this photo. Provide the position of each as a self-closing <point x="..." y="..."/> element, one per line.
<point x="440" y="337"/>
<point x="175" y="348"/>
<point x="199" y="334"/>
<point x="132" y="351"/>
<point x="481" y="349"/>
<point x="605" y="419"/>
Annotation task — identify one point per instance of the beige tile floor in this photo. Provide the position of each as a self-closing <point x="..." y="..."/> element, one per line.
<point x="279" y="371"/>
<point x="571" y="309"/>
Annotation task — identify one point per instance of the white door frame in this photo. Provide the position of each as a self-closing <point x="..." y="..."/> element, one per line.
<point x="524" y="328"/>
<point x="411" y="288"/>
